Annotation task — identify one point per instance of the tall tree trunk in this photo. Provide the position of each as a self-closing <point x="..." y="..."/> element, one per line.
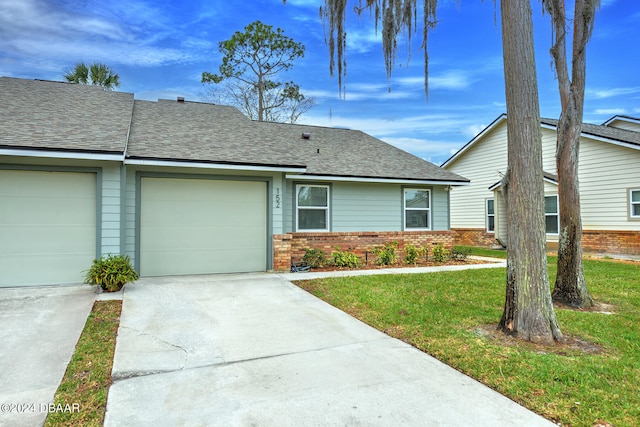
<point x="570" y="286"/>
<point x="528" y="310"/>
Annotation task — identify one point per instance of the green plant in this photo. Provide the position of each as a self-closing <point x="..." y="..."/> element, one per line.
<point x="314" y="258"/>
<point x="386" y="254"/>
<point x="412" y="253"/>
<point x="111" y="272"/>
<point x="346" y="259"/>
<point x="440" y="253"/>
<point x="460" y="253"/>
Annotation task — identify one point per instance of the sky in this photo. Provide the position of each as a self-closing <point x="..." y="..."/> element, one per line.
<point x="160" y="48"/>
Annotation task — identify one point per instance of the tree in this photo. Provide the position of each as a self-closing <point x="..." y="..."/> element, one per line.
<point x="570" y="287"/>
<point x="96" y="74"/>
<point x="528" y="311"/>
<point x="285" y="104"/>
<point x="252" y="60"/>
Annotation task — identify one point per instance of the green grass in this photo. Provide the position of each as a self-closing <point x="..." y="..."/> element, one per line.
<point x="88" y="377"/>
<point x="494" y="253"/>
<point x="446" y="314"/>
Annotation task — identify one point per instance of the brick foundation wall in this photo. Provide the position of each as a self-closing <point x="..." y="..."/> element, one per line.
<point x="474" y="237"/>
<point x="593" y="241"/>
<point x="614" y="242"/>
<point x="291" y="247"/>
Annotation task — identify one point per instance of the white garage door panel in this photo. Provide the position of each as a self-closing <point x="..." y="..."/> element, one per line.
<point x="192" y="226"/>
<point x="47" y="226"/>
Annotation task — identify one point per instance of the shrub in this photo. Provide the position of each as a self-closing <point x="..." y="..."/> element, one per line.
<point x="460" y="253"/>
<point x="386" y="254"/>
<point x="412" y="253"/>
<point x="111" y="272"/>
<point x="346" y="259"/>
<point x="440" y="253"/>
<point x="314" y="258"/>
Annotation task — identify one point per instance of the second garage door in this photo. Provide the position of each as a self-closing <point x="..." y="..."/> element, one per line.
<point x="202" y="226"/>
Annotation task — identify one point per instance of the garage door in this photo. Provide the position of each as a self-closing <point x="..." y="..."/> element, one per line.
<point x="199" y="226"/>
<point x="47" y="227"/>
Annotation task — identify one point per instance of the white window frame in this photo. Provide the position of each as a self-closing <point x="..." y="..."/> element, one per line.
<point x="405" y="209"/>
<point x="492" y="215"/>
<point x="632" y="203"/>
<point x="325" y="208"/>
<point x="556" y="214"/>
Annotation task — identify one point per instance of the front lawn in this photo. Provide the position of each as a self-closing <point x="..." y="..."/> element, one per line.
<point x="593" y="379"/>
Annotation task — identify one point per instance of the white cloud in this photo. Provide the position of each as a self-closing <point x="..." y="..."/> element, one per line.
<point x="611" y="92"/>
<point x="610" y="111"/>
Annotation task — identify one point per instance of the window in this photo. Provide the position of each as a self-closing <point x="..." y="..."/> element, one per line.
<point x="634" y="202"/>
<point x="312" y="206"/>
<point x="491" y="216"/>
<point x="417" y="209"/>
<point x="551" y="216"/>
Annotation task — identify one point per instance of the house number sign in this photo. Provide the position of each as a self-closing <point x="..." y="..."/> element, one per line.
<point x="277" y="198"/>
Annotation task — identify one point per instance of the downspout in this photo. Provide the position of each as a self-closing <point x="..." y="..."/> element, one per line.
<point x="123" y="186"/>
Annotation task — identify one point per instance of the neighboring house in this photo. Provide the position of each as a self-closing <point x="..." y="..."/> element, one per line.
<point x="193" y="188"/>
<point x="609" y="174"/>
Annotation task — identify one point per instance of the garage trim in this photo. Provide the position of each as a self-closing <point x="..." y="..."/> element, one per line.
<point x="138" y="210"/>
<point x="97" y="171"/>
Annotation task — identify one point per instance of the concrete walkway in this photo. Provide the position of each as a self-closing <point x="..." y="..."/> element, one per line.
<point x="39" y="329"/>
<point x="244" y="350"/>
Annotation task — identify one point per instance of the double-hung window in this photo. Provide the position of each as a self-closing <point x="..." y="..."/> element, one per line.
<point x="417" y="209"/>
<point x="491" y="216"/>
<point x="312" y="207"/>
<point x="634" y="203"/>
<point x="551" y="214"/>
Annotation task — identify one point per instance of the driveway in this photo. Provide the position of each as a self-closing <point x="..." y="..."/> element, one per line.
<point x="39" y="329"/>
<point x="253" y="349"/>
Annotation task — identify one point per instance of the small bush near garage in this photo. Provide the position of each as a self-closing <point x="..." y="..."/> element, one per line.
<point x="344" y="259"/>
<point x="111" y="272"/>
<point x="314" y="258"/>
<point x="386" y="254"/>
<point x="412" y="253"/>
<point x="439" y="253"/>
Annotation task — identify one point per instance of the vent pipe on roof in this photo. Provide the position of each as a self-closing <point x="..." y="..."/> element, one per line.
<point x="306" y="135"/>
<point x="181" y="99"/>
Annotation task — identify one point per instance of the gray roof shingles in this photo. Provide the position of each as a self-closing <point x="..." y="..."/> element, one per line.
<point x="61" y="116"/>
<point x="64" y="116"/>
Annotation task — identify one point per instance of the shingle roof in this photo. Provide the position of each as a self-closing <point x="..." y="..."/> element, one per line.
<point x="63" y="116"/>
<point x="38" y="114"/>
<point x="352" y="153"/>
<point x="608" y="132"/>
<point x="193" y="131"/>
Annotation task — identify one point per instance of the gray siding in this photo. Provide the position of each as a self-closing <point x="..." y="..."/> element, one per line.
<point x="357" y="206"/>
<point x="110" y="242"/>
<point x="366" y="207"/>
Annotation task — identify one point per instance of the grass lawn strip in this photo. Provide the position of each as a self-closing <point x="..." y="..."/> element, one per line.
<point x="88" y="377"/>
<point x="590" y="380"/>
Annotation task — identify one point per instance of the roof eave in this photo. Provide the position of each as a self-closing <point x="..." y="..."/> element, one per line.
<point x="58" y="154"/>
<point x="375" y="180"/>
<point x="475" y="139"/>
<point x="139" y="161"/>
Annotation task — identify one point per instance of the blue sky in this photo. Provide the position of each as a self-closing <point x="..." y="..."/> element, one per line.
<point x="160" y="49"/>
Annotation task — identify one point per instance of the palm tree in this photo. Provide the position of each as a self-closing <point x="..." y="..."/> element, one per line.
<point x="96" y="74"/>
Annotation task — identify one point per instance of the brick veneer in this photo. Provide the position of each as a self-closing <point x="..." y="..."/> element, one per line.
<point x="593" y="241"/>
<point x="291" y="246"/>
<point x="474" y="237"/>
<point x="614" y="242"/>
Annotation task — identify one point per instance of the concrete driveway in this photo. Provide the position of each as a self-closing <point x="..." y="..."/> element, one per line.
<point x="245" y="350"/>
<point x="39" y="329"/>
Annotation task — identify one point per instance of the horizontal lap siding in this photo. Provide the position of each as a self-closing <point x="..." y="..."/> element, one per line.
<point x="366" y="207"/>
<point x="606" y="173"/>
<point x="484" y="165"/>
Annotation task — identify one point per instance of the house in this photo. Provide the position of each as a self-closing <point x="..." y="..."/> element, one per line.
<point x="193" y="188"/>
<point x="609" y="174"/>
